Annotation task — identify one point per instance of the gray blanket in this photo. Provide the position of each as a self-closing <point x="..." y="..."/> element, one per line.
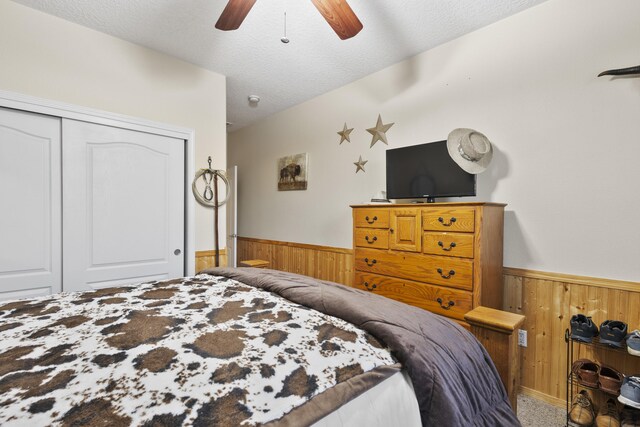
<point x="454" y="378"/>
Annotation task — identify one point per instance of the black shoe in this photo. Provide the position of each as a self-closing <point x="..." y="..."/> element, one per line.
<point x="582" y="328"/>
<point x="612" y="332"/>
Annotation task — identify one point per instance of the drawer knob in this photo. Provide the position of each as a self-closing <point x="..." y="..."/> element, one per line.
<point x="451" y="246"/>
<point x="373" y="286"/>
<point x="370" y="241"/>
<point x="446" y="306"/>
<point x="375" y="218"/>
<point x="447" y="224"/>
<point x="373" y="261"/>
<point x="446" y="276"/>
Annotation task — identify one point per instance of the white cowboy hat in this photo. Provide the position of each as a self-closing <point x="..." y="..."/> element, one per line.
<point x="470" y="149"/>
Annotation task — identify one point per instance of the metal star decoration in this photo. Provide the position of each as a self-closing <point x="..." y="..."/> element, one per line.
<point x="344" y="134"/>
<point x="379" y="132"/>
<point x="360" y="165"/>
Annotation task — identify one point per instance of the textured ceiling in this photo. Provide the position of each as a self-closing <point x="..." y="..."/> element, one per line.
<point x="256" y="62"/>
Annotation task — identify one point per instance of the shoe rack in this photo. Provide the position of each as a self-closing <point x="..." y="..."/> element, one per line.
<point x="598" y="395"/>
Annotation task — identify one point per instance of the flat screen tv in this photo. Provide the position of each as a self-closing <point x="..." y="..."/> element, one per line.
<point x="426" y="171"/>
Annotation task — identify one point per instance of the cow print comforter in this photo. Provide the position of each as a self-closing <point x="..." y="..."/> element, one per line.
<point x="197" y="351"/>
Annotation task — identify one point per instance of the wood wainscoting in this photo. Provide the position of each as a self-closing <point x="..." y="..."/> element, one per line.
<point x="321" y="262"/>
<point x="548" y="300"/>
<point x="206" y="259"/>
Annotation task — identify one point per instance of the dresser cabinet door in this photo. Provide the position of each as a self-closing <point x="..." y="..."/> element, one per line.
<point x="405" y="230"/>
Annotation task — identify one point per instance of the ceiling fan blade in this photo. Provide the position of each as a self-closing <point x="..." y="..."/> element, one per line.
<point x="233" y="14"/>
<point x="340" y="16"/>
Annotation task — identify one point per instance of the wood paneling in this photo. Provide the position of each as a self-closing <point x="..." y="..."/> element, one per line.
<point x="579" y="280"/>
<point x="206" y="259"/>
<point x="547" y="300"/>
<point x="321" y="262"/>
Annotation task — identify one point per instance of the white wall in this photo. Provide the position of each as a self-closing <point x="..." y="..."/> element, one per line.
<point x="47" y="57"/>
<point x="567" y="143"/>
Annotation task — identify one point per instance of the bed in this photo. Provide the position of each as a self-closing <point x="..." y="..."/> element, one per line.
<point x="240" y="347"/>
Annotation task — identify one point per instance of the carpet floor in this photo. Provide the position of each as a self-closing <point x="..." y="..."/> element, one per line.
<point x="536" y="413"/>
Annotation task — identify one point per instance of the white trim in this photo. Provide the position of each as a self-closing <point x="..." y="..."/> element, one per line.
<point x="32" y="104"/>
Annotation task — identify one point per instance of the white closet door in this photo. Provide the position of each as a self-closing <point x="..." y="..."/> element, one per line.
<point x="30" y="250"/>
<point x="123" y="200"/>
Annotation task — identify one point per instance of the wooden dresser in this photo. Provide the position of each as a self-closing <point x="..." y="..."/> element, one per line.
<point x="443" y="257"/>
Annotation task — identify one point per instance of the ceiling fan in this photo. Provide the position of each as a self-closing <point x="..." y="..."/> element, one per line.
<point x="336" y="12"/>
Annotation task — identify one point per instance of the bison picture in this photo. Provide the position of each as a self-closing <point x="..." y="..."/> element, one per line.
<point x="292" y="173"/>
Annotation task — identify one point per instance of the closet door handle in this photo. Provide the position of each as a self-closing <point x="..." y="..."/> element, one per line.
<point x="373" y="261"/>
<point x="451" y="246"/>
<point x="177" y="252"/>
<point x="446" y="276"/>
<point x="447" y="224"/>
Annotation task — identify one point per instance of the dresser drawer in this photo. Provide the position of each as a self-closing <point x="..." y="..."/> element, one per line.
<point x="437" y="299"/>
<point x="371" y="218"/>
<point x="438" y="270"/>
<point x="448" y="244"/>
<point x="443" y="219"/>
<point x="372" y="238"/>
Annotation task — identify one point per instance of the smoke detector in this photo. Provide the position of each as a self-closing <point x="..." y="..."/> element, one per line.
<point x="254" y="99"/>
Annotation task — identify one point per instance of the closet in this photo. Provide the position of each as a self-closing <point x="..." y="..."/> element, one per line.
<point x="86" y="205"/>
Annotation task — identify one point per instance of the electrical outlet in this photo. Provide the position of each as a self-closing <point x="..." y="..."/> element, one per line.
<point x="522" y="338"/>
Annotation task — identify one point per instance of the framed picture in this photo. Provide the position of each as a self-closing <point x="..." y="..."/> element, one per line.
<point x="292" y="172"/>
